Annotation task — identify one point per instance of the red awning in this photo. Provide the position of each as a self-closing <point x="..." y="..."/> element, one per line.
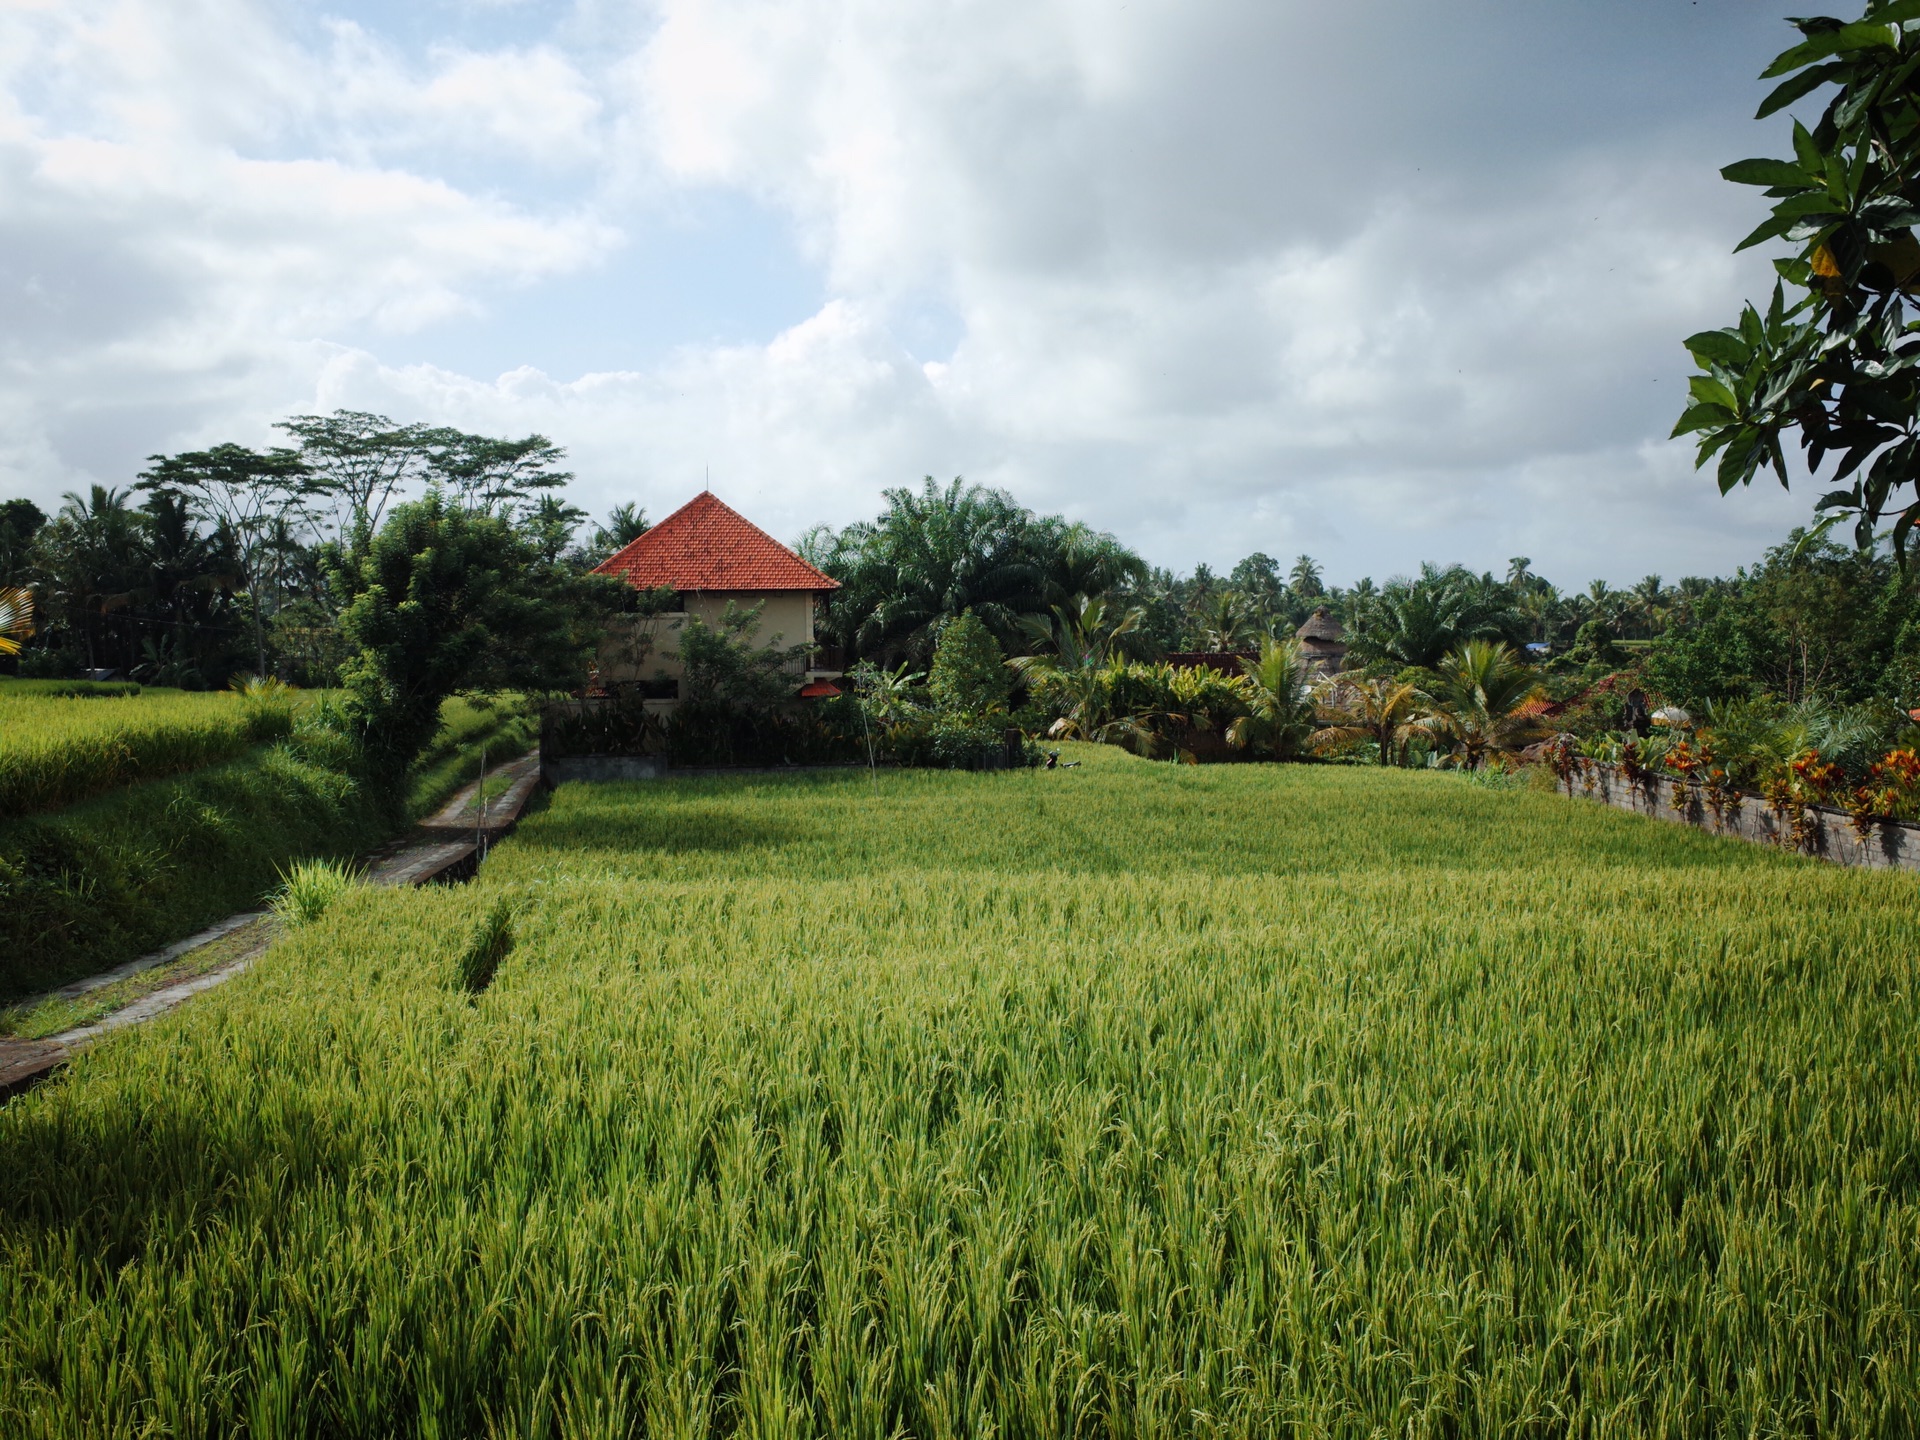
<point x="819" y="690"/>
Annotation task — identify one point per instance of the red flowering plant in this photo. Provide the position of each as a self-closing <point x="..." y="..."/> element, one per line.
<point x="1559" y="754"/>
<point x="1896" y="782"/>
<point x="1815" y="779"/>
<point x="1684" y="761"/>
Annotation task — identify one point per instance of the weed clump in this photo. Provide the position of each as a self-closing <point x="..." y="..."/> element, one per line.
<point x="309" y="888"/>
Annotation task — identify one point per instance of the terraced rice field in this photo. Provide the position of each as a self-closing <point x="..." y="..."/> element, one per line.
<point x="58" y="750"/>
<point x="1132" y="1100"/>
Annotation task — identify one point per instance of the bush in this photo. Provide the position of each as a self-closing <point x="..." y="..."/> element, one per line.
<point x="969" y="674"/>
<point x="953" y="742"/>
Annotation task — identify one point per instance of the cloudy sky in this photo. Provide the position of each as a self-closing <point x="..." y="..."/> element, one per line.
<point x="1380" y="281"/>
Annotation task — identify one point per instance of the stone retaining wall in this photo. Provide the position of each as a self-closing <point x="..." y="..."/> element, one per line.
<point x="1890" y="845"/>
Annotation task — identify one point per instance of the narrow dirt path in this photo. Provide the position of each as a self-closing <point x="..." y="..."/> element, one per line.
<point x="446" y="846"/>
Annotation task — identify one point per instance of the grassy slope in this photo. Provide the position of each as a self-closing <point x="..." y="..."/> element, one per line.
<point x="101" y="882"/>
<point x="1134" y="1098"/>
<point x="498" y="732"/>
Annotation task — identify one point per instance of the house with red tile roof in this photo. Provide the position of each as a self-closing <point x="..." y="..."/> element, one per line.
<point x="709" y="556"/>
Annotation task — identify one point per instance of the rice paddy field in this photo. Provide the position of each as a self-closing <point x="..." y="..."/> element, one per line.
<point x="1126" y="1100"/>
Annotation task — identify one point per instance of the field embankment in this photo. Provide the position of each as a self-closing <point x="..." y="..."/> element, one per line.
<point x="1131" y="1099"/>
<point x="92" y="884"/>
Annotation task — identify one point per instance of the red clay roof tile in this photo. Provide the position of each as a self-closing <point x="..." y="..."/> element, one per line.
<point x="706" y="546"/>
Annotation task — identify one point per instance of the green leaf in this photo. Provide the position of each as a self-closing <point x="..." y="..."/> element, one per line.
<point x="1708" y="391"/>
<point x="1806" y="152"/>
<point x="1897" y="13"/>
<point x="1769" y="172"/>
<point x="1743" y="457"/>
<point x="1814" y="534"/>
<point x="1814" y="202"/>
<point x="1788" y="91"/>
<point x="1859" y="36"/>
<point x="1701" y="417"/>
<point x="1725" y="346"/>
<point x="1770" y="228"/>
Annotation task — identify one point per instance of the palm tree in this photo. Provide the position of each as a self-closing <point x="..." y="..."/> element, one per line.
<point x="625" y="524"/>
<point x="1088" y="631"/>
<point x="1387" y="712"/>
<point x="1541" y="604"/>
<point x="1085" y="639"/>
<point x="92" y="556"/>
<point x="1483" y="688"/>
<point x="1224" y="622"/>
<point x="1305" y="579"/>
<point x="1647" y="602"/>
<point x="1418" y="622"/>
<point x="934" y="553"/>
<point x="1279" y="716"/>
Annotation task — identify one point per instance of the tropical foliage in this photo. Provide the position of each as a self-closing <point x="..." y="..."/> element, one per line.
<point x="940" y="551"/>
<point x="1837" y="366"/>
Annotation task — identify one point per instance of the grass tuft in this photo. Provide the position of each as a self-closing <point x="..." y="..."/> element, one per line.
<point x="308" y="888"/>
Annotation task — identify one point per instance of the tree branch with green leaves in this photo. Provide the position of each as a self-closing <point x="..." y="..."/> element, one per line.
<point x="1834" y="359"/>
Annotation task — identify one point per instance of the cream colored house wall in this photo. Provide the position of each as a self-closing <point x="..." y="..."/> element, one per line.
<point x="638" y="647"/>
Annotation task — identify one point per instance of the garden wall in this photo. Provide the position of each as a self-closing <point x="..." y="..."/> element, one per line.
<point x="1830" y="835"/>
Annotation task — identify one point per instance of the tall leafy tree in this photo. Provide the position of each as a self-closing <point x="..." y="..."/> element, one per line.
<point x="20" y="522"/>
<point x="1833" y="361"/>
<point x="245" y="493"/>
<point x="969" y="674"/>
<point x="442" y="599"/>
<point x="486" y="473"/>
<point x="91" y="563"/>
<point x="363" y="460"/>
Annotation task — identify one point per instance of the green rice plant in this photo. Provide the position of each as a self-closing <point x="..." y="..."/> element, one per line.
<point x="13" y="689"/>
<point x="1131" y="1099"/>
<point x="308" y="888"/>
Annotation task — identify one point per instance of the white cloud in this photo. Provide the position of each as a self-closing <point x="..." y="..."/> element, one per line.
<point x="1383" y="281"/>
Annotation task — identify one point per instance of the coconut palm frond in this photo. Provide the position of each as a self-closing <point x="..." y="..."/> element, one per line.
<point x="16" y="618"/>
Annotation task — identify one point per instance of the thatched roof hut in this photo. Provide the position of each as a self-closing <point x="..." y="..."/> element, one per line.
<point x="1323" y="642"/>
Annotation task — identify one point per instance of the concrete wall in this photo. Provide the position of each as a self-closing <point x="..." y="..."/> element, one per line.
<point x="637" y="647"/>
<point x="1888" y="846"/>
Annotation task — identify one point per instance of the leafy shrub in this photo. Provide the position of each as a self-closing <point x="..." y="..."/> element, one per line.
<point x="969" y="674"/>
<point x="955" y="742"/>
